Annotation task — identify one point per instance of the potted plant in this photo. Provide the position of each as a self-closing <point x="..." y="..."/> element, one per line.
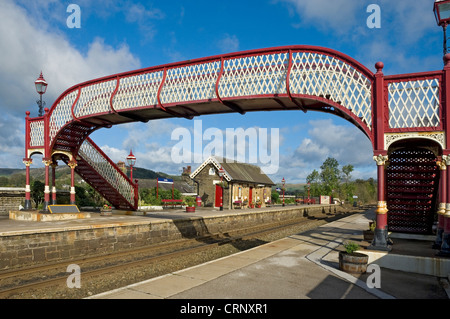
<point x="369" y="234"/>
<point x="252" y="205"/>
<point x="189" y="202"/>
<point x="106" y="210"/>
<point x="351" y="261"/>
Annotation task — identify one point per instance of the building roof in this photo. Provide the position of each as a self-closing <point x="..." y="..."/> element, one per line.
<point x="236" y="171"/>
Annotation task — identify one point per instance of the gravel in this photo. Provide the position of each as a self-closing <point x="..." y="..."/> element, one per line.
<point x="105" y="282"/>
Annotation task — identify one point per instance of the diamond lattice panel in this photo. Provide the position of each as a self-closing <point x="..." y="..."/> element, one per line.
<point x="414" y="104"/>
<point x="95" y="98"/>
<point x="37" y="133"/>
<point x="325" y="76"/>
<point x="138" y="91"/>
<point x="190" y="83"/>
<point x="254" y="75"/>
<point x="62" y="114"/>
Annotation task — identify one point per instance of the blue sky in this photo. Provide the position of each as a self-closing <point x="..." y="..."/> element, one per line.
<point x="123" y="35"/>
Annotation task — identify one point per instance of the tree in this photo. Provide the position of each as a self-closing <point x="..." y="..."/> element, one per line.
<point x="275" y="197"/>
<point x="4" y="181"/>
<point x="347" y="170"/>
<point x="330" y="176"/>
<point x="37" y="192"/>
<point x="348" y="188"/>
<point x="17" y="180"/>
<point x="314" y="182"/>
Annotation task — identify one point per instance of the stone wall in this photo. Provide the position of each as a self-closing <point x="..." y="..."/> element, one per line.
<point x="10" y="199"/>
<point x="22" y="249"/>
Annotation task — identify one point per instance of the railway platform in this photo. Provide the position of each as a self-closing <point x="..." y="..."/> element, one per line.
<point x="26" y="243"/>
<point x="303" y="266"/>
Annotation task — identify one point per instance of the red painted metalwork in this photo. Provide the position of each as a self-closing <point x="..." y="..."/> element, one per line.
<point x="445" y="91"/>
<point x="288" y="90"/>
<point x="102" y="185"/>
<point x="75" y="103"/>
<point x="67" y="131"/>
<point x="412" y="189"/>
<point x="113" y="94"/>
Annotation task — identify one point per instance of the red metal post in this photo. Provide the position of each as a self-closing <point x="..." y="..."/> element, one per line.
<point x="380" y="241"/>
<point x="27" y="133"/>
<point x="445" y="246"/>
<point x="47" y="162"/>
<point x="27" y="162"/>
<point x="46" y="134"/>
<point x="54" y="183"/>
<point x="442" y="202"/>
<point x="72" y="165"/>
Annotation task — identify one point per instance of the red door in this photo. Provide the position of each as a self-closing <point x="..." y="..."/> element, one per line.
<point x="250" y="196"/>
<point x="218" y="201"/>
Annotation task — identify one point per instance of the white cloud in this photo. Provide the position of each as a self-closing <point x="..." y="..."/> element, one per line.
<point x="325" y="139"/>
<point x="137" y="13"/>
<point x="337" y="15"/>
<point x="27" y="49"/>
<point x="29" y="46"/>
<point x="228" y="43"/>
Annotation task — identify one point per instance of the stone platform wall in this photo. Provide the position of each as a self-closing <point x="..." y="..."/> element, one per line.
<point x="11" y="198"/>
<point x="29" y="248"/>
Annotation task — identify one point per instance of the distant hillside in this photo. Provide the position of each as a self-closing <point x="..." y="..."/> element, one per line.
<point x="143" y="173"/>
<point x="63" y="171"/>
<point x="10" y="171"/>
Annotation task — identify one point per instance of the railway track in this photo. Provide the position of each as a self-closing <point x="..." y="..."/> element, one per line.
<point x="36" y="282"/>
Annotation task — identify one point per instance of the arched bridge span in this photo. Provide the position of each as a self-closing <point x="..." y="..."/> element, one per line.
<point x="387" y="109"/>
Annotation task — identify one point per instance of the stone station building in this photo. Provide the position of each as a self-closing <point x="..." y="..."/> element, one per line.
<point x="243" y="184"/>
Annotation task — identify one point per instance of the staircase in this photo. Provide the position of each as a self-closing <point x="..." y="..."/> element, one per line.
<point x="412" y="179"/>
<point x="105" y="177"/>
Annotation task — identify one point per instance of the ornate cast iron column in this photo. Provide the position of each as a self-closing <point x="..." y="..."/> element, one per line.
<point x="54" y="165"/>
<point x="47" y="162"/>
<point x="27" y="162"/>
<point x="445" y="246"/>
<point x="442" y="164"/>
<point x="381" y="240"/>
<point x="72" y="165"/>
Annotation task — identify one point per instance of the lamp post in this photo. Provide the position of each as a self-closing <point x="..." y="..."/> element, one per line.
<point x="131" y="160"/>
<point x="221" y="173"/>
<point x="442" y="14"/>
<point x="41" y="87"/>
<point x="283" y="182"/>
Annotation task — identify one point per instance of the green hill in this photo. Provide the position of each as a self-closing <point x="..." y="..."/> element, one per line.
<point x="63" y="171"/>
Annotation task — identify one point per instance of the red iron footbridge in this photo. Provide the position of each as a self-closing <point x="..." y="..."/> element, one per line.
<point x="404" y="116"/>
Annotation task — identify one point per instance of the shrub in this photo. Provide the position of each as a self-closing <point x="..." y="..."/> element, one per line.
<point x="351" y="247"/>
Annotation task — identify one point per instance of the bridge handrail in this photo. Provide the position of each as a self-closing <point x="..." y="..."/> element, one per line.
<point x="153" y="86"/>
<point x="114" y="176"/>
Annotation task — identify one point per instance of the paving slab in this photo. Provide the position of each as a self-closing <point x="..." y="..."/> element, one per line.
<point x="301" y="266"/>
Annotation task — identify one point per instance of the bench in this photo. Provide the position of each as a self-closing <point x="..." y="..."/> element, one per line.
<point x="172" y="202"/>
<point x="237" y="204"/>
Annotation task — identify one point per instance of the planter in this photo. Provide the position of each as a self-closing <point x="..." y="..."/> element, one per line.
<point x="353" y="263"/>
<point x="106" y="212"/>
<point x="190" y="209"/>
<point x="368" y="235"/>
